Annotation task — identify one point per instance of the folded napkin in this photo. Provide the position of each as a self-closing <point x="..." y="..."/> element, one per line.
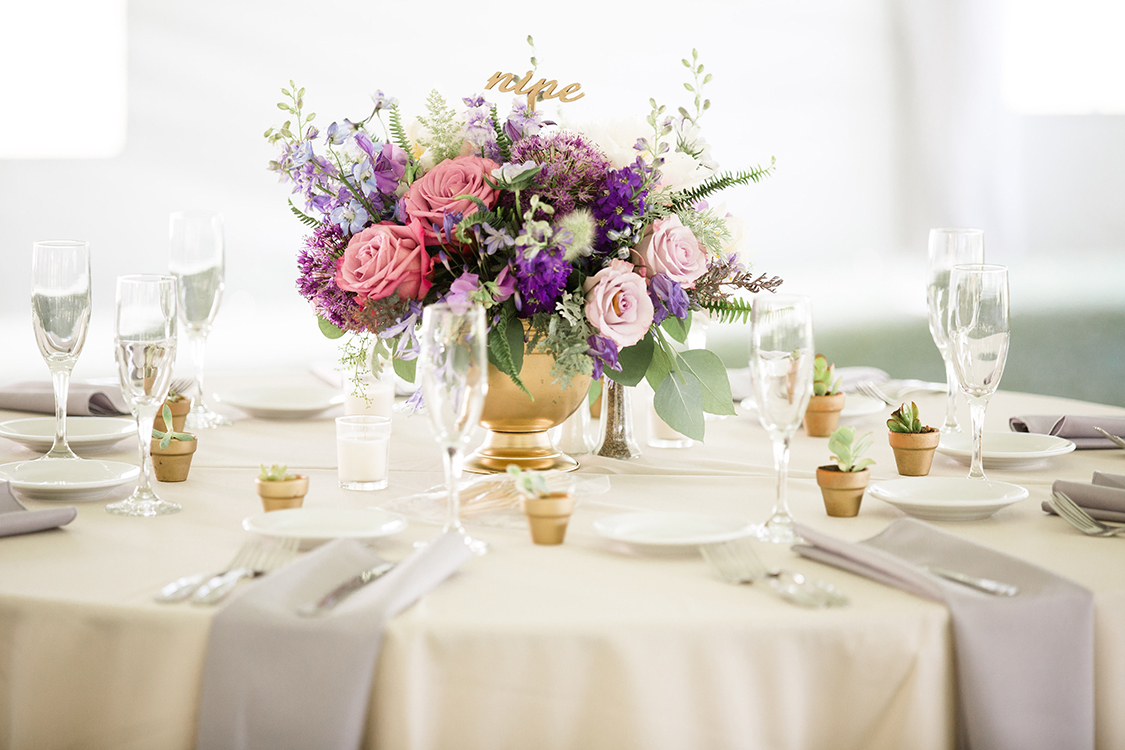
<point x="275" y="679"/>
<point x="1104" y="498"/>
<point x="1025" y="663"/>
<point x="83" y="399"/>
<point x="16" y="519"/>
<point x="1078" y="430"/>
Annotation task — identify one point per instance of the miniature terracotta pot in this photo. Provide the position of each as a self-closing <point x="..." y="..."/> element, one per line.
<point x="172" y="464"/>
<point x="179" y="411"/>
<point x="842" y="490"/>
<point x="289" y="493"/>
<point x="823" y="415"/>
<point x="548" y="517"/>
<point x="914" y="452"/>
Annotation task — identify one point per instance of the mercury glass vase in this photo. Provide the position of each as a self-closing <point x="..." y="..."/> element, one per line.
<point x="617" y="423"/>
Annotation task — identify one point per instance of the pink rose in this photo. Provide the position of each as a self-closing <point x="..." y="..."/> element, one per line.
<point x="670" y="248"/>
<point x="617" y="303"/>
<point x="431" y="197"/>
<point x="384" y="259"/>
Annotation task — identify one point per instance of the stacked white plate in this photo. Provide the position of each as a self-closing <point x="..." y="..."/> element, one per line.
<point x="1006" y="450"/>
<point x="947" y="498"/>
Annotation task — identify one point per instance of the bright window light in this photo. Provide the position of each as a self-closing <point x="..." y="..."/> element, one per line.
<point x="1064" y="57"/>
<point x="63" y="77"/>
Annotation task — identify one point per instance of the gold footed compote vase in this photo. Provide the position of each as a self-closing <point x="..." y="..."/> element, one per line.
<point x="517" y="425"/>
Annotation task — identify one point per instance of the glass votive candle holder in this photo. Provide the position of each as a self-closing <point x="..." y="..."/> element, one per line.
<point x="363" y="446"/>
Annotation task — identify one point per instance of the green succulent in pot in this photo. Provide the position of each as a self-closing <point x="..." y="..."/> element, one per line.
<point x="905" y="420"/>
<point x="824" y="373"/>
<point x="913" y="442"/>
<point x="842" y="484"/>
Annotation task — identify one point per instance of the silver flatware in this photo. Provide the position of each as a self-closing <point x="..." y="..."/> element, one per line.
<point x="987" y="585"/>
<point x="271" y="555"/>
<point x="1070" y="511"/>
<point x="182" y="588"/>
<point x="181" y="385"/>
<point x="736" y="562"/>
<point x="869" y="389"/>
<point x="328" y="602"/>
<point x="1120" y="443"/>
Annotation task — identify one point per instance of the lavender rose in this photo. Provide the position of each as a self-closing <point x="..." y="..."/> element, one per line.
<point x="384" y="259"/>
<point x="617" y="303"/>
<point x="431" y="198"/>
<point x="670" y="248"/>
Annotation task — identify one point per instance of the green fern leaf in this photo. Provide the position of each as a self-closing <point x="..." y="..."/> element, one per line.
<point x="502" y="139"/>
<point x="305" y="218"/>
<point x="730" y="311"/>
<point x="719" y="182"/>
<point x="399" y="134"/>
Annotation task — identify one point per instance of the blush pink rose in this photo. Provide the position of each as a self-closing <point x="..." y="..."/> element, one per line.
<point x="617" y="303"/>
<point x="384" y="259"/>
<point x="670" y="248"/>
<point x="432" y="196"/>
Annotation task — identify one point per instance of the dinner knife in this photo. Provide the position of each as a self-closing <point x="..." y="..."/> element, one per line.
<point x="987" y="585"/>
<point x="329" y="601"/>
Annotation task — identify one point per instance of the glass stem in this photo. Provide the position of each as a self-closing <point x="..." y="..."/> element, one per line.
<point x="951" y="391"/>
<point x="198" y="341"/>
<point x="453" y="465"/>
<point x="977" y="407"/>
<point x="781" y="512"/>
<point x="60" y="379"/>
<point x="145" y="416"/>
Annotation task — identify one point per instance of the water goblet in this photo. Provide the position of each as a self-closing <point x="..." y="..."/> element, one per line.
<point x="453" y="372"/>
<point x="948" y="248"/>
<point x="145" y="340"/>
<point x="781" y="371"/>
<point x="978" y="340"/>
<point x="60" y="315"/>
<point x="197" y="261"/>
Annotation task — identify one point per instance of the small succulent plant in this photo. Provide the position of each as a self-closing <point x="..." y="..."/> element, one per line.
<point x="529" y="483"/>
<point x="905" y="419"/>
<point x="275" y="473"/>
<point x="847" y="449"/>
<point x="175" y="397"/>
<point x="168" y="435"/>
<point x="823" y="374"/>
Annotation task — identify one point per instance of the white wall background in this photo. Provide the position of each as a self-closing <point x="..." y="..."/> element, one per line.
<point x="886" y="118"/>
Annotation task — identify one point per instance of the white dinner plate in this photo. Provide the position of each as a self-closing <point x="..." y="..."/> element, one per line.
<point x="858" y="405"/>
<point x="316" y="525"/>
<point x="1005" y="450"/>
<point x="670" y="529"/>
<point x="947" y="498"/>
<point x="281" y="402"/>
<point x="83" y="434"/>
<point x="67" y="479"/>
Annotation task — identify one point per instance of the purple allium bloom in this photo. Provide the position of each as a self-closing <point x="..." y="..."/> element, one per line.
<point x="621" y="201"/>
<point x="459" y="291"/>
<point x="540" y="280"/>
<point x="603" y="350"/>
<point x="574" y="170"/>
<point x="317" y="280"/>
<point x="668" y="298"/>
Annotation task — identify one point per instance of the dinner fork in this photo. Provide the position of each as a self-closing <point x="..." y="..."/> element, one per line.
<point x="1112" y="438"/>
<point x="736" y="562"/>
<point x="1080" y="519"/>
<point x="182" y="588"/>
<point x="869" y="389"/>
<point x="271" y="555"/>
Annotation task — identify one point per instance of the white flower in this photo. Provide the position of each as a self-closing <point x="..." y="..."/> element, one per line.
<point x="617" y="138"/>
<point x="681" y="171"/>
<point x="509" y="173"/>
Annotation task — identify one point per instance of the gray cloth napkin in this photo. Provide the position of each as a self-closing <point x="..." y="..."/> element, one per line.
<point x="1025" y="663"/>
<point x="82" y="400"/>
<point x="16" y="519"/>
<point x="1104" y="498"/>
<point x="274" y="679"/>
<point x="1078" y="430"/>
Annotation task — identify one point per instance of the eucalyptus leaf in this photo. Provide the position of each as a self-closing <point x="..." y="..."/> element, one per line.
<point x="676" y="328"/>
<point x="405" y="368"/>
<point x="329" y="329"/>
<point x="634" y="361"/>
<point x="678" y="401"/>
<point x="706" y="366"/>
<point x="658" y="368"/>
<point x="595" y="392"/>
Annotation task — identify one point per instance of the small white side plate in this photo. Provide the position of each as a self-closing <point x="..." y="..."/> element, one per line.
<point x="67" y="479"/>
<point x="670" y="529"/>
<point x="279" y="402"/>
<point x="1006" y="450"/>
<point x="316" y="525"/>
<point x="83" y="434"/>
<point x="947" y="498"/>
<point x="858" y="405"/>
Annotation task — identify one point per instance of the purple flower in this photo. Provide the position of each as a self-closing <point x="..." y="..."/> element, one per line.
<point x="382" y="101"/>
<point x="621" y="201"/>
<point x="460" y="290"/>
<point x="573" y="169"/>
<point x="479" y="129"/>
<point x="449" y="222"/>
<point x="389" y="168"/>
<point x="406" y="331"/>
<point x="497" y="239"/>
<point x="317" y="279"/>
<point x="603" y="350"/>
<point x="540" y="280"/>
<point x="523" y="122"/>
<point x="505" y="285"/>
<point x="668" y="298"/>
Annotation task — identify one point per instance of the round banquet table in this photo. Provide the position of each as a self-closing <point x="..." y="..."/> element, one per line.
<point x="590" y="644"/>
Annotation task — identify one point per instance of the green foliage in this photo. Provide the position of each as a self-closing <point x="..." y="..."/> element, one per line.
<point x="502" y="139"/>
<point x="505" y="346"/>
<point x="905" y="419"/>
<point x="445" y="131"/>
<point x="687" y="384"/>
<point x="823" y="385"/>
<point x="710" y="228"/>
<point x="685" y="198"/>
<point x="329" y="329"/>
<point x="847" y="449"/>
<point x="529" y="483"/>
<point x="406" y="369"/>
<point x="563" y="334"/>
<point x="399" y="134"/>
<point x="676" y="328"/>
<point x="731" y="311"/>
<point x="307" y="220"/>
<point x="275" y="473"/>
<point x="634" y="361"/>
<point x="167" y="435"/>
<point x="696" y="88"/>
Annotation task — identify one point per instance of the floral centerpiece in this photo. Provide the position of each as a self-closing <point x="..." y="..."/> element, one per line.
<point x="579" y="245"/>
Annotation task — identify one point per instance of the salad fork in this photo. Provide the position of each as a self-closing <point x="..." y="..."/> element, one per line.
<point x="1080" y="519"/>
<point x="182" y="588"/>
<point x="869" y="389"/>
<point x="1112" y="438"/>
<point x="736" y="562"/>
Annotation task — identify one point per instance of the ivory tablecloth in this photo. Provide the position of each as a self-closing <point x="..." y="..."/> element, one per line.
<point x="584" y="645"/>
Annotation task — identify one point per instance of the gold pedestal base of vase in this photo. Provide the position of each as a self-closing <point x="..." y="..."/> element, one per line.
<point x="528" y="450"/>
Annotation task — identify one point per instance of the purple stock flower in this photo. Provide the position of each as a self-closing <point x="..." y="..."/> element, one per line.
<point x="668" y="298"/>
<point x="540" y="280"/>
<point x="479" y="129"/>
<point x="603" y="350"/>
<point x="615" y="210"/>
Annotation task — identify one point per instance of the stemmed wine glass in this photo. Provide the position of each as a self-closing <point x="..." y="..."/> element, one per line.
<point x="453" y="371"/>
<point x="197" y="262"/>
<point x="948" y="248"/>
<point x="781" y="369"/>
<point x="978" y="340"/>
<point x="60" y="314"/>
<point x="145" y="339"/>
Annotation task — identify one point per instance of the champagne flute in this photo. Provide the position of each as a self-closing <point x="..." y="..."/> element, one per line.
<point x="60" y="315"/>
<point x="145" y="339"/>
<point x="948" y="248"/>
<point x="453" y="371"/>
<point x="197" y="262"/>
<point x="781" y="369"/>
<point x="978" y="340"/>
